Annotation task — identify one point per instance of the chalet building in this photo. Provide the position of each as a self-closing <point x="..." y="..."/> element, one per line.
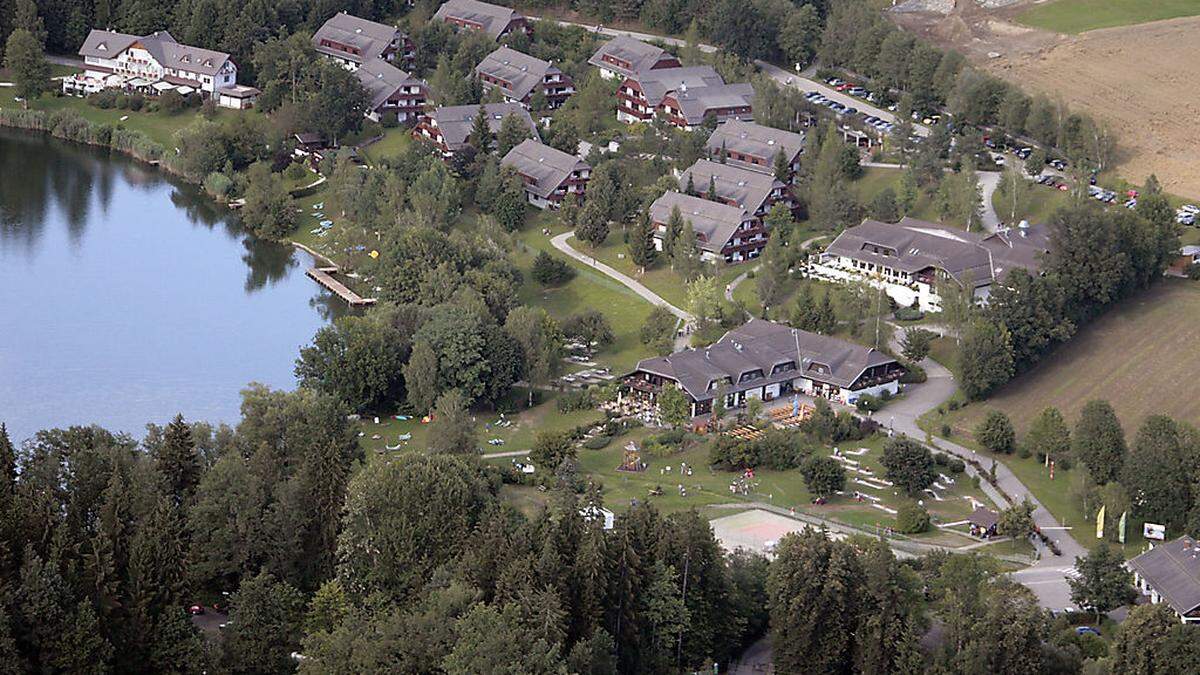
<point x="392" y="91"/>
<point x="754" y="146"/>
<point x="1170" y="573"/>
<point x="910" y="259"/>
<point x="755" y="192"/>
<point x="153" y="64"/>
<point x="518" y="76"/>
<point x="449" y="127"/>
<point x="549" y="174"/>
<point x="723" y="232"/>
<point x="494" y="20"/>
<point x="624" y="57"/>
<point x="352" y="42"/>
<point x="767" y="361"/>
<point x="684" y="97"/>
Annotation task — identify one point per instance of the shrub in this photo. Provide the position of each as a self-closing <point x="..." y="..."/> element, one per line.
<point x="956" y="465"/>
<point x="670" y="437"/>
<point x="946" y="431"/>
<point x="909" y="314"/>
<point x="550" y="271"/>
<point x="136" y="102"/>
<point x="913" y="374"/>
<point x="868" y="403"/>
<point x="995" y="433"/>
<point x="218" y="185"/>
<point x="1193" y="271"/>
<point x="295" y="171"/>
<point x="953" y="404"/>
<point x="390" y="119"/>
<point x="597" y="442"/>
<point x="911" y="518"/>
<point x="1023" y="452"/>
<point x="171" y="102"/>
<point x="885" y="395"/>
<point x="571" y="401"/>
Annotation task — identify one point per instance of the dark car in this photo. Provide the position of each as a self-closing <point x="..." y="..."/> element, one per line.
<point x="196" y="610"/>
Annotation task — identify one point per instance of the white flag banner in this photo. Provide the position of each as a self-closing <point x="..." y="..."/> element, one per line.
<point x="1154" y="531"/>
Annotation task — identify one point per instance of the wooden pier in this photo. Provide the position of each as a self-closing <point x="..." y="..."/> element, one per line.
<point x="324" y="276"/>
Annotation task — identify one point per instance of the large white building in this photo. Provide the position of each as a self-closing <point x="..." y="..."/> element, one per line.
<point x="153" y="64"/>
<point x="912" y="258"/>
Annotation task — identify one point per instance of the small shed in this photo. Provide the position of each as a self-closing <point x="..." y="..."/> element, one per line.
<point x="237" y="97"/>
<point x="310" y="141"/>
<point x="983" y="522"/>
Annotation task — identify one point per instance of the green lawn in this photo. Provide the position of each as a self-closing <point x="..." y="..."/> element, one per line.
<point x="526" y="424"/>
<point x="1077" y="16"/>
<point x="875" y="179"/>
<point x="707" y="487"/>
<point x="1043" y="202"/>
<point x="393" y="143"/>
<point x="158" y="127"/>
<point x="658" y="277"/>
<point x="589" y="289"/>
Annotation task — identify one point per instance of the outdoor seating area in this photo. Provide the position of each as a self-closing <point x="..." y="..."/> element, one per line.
<point x="745" y="432"/>
<point x="790" y="417"/>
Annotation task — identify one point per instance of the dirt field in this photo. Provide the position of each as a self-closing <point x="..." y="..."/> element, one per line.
<point x="1142" y="357"/>
<point x="1138" y="79"/>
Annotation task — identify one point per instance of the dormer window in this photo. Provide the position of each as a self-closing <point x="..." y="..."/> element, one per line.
<point x="102" y="47"/>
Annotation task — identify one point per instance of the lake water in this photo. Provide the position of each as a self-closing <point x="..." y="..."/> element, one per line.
<point x="126" y="297"/>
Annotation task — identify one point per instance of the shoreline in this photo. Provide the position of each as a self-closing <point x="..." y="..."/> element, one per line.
<point x="42" y="117"/>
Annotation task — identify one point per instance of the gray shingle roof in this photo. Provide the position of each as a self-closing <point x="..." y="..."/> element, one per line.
<point x="493" y="18"/>
<point x="985" y="518"/>
<point x="1173" y="569"/>
<point x="748" y="189"/>
<point x="755" y="140"/>
<point x="547" y="166"/>
<point x="523" y="71"/>
<point x="713" y="221"/>
<point x="455" y="122"/>
<point x="381" y="79"/>
<point x="762" y="345"/>
<point x="656" y="84"/>
<point x="640" y="55"/>
<point x="161" y="45"/>
<point x="913" y="245"/>
<point x="369" y="37"/>
<point x="695" y="102"/>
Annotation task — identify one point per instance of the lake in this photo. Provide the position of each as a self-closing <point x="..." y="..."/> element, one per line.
<point x="126" y="297"/>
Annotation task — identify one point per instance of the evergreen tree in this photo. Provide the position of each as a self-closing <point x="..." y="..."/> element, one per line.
<point x="711" y="194"/>
<point x="887" y="638"/>
<point x="685" y="259"/>
<point x="641" y="242"/>
<point x="156" y="580"/>
<point x="815" y="587"/>
<point x="995" y="433"/>
<point x="26" y="17"/>
<point x="783" y="171"/>
<point x="986" y="360"/>
<point x="674" y="226"/>
<point x="908" y="464"/>
<point x="176" y="460"/>
<point x="480" y="137"/>
<point x="1099" y="441"/>
<point x="82" y="648"/>
<point x="512" y="132"/>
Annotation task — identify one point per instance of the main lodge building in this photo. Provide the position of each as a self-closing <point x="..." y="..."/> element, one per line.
<point x="766" y="360"/>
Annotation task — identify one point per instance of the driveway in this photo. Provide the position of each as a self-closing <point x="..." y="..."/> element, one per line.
<point x="988" y="182"/>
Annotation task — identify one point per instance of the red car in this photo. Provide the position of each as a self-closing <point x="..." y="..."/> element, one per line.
<point x="195" y="610"/>
<point x="845" y="85"/>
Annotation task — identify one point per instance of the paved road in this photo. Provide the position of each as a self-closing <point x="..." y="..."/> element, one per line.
<point x="988" y="182"/>
<point x="1048" y="578"/>
<point x="792" y="79"/>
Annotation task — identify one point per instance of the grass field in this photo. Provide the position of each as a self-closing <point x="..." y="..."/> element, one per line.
<point x="707" y="487"/>
<point x="1142" y="356"/>
<point x="875" y="179"/>
<point x="159" y="127"/>
<point x="1043" y="202"/>
<point x="1077" y="16"/>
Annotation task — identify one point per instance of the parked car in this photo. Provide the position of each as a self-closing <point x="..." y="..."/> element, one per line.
<point x="1086" y="630"/>
<point x="1024" y="153"/>
<point x="1058" y="164"/>
<point x="1190" y="208"/>
<point x="833" y="82"/>
<point x="196" y="610"/>
<point x="1131" y="203"/>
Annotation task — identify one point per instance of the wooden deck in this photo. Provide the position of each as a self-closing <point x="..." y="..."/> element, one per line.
<point x="324" y="276"/>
